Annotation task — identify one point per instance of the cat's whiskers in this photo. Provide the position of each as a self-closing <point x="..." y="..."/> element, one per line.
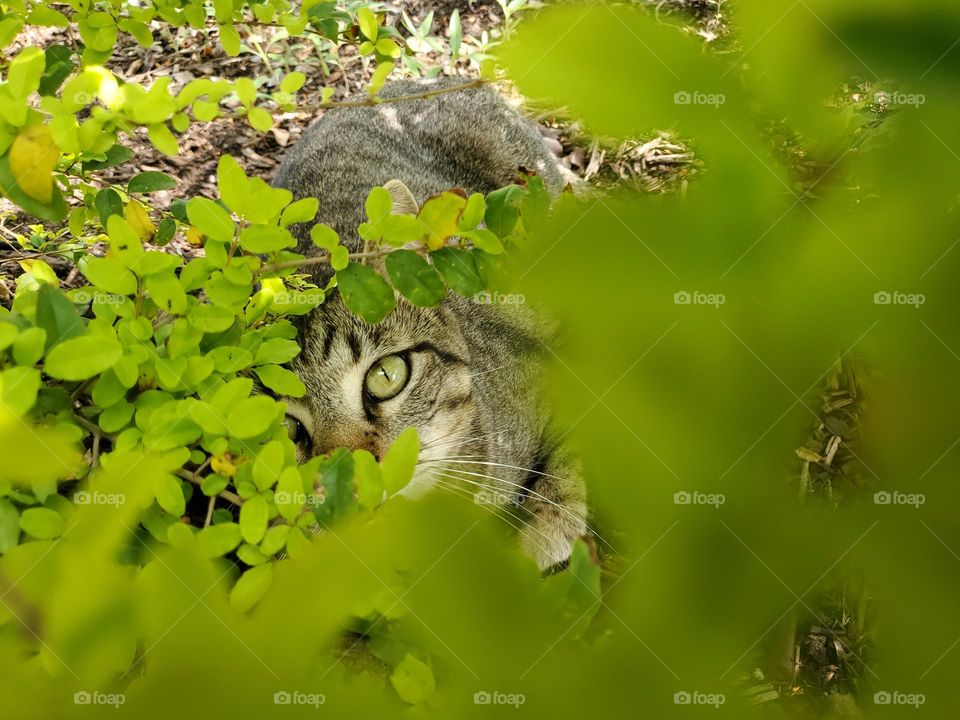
<point x="494" y="490"/>
<point x="442" y="481"/>
<point x="518" y="486"/>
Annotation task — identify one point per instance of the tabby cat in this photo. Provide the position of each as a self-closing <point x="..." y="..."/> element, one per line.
<point x="464" y="373"/>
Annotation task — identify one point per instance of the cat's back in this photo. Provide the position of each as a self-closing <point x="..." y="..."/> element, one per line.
<point x="468" y="138"/>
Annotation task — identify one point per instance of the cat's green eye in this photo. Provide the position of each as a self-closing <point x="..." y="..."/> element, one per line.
<point x="387" y="377"/>
<point x="295" y="429"/>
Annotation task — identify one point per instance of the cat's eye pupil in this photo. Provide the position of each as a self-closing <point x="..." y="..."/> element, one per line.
<point x="387" y="377"/>
<point x="295" y="429"/>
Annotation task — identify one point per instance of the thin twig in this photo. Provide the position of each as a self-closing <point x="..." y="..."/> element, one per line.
<point x="320" y="260"/>
<point x="225" y="494"/>
<point x="209" y="518"/>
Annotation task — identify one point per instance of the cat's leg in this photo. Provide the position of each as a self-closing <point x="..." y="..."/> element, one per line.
<point x="556" y="509"/>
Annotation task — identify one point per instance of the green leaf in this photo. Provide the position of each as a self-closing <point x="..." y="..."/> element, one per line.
<point x="265" y="238"/>
<point x="502" y="209"/>
<point x="365" y="292"/>
<point x="473" y="212"/>
<point x="211" y="219"/>
<point x="108" y="202"/>
<point x="108" y="274"/>
<point x="9" y="525"/>
<point x="166" y="229"/>
<point x="339" y="258"/>
<point x="167" y="292"/>
<point x="218" y="540"/>
<point x="268" y="465"/>
<point x="275" y="539"/>
<point x="116" y="417"/>
<point x="8" y="333"/>
<point x="214" y="484"/>
<point x="369" y="479"/>
<point x="398" y="230"/>
<point x="413" y="680"/>
<point x="337" y="498"/>
<point x="259" y="119"/>
<point x="169" y="494"/>
<point x="18" y="389"/>
<point x="485" y="240"/>
<point x="125" y="242"/>
<point x="210" y="318"/>
<point x="292" y="82"/>
<point x="252" y="417"/>
<point x="59" y="66"/>
<point x="253" y="519"/>
<point x="82" y="357"/>
<point x="23" y="74"/>
<point x="147" y="182"/>
<point x="47" y="17"/>
<point x="535" y="206"/>
<point x="458" y="269"/>
<point x="156" y="105"/>
<point x="289" y="495"/>
<point x="281" y="380"/>
<point x="367" y="21"/>
<point x="163" y="140"/>
<point x="233" y="184"/>
<point x="387" y="48"/>
<point x="116" y="155"/>
<point x="456" y="33"/>
<point x="223" y="10"/>
<point x="379" y="78"/>
<point x="42" y="523"/>
<point x="400" y="460"/>
<point x="303" y="210"/>
<point x="57" y="315"/>
<point x="415" y="278"/>
<point x="251" y="587"/>
<point x="29" y="346"/>
<point x="276" y="351"/>
<point x="324" y="236"/>
<point x="230" y="39"/>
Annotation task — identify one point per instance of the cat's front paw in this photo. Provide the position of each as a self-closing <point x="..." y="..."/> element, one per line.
<point x="550" y="532"/>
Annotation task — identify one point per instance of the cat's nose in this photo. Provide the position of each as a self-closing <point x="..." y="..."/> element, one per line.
<point x="354" y="439"/>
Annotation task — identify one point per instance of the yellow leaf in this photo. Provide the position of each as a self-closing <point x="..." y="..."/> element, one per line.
<point x="222" y="464"/>
<point x="32" y="157"/>
<point x="441" y="215"/>
<point x="139" y="220"/>
<point x="194" y="236"/>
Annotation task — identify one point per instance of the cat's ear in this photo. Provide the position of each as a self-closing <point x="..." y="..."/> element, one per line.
<point x="403" y="200"/>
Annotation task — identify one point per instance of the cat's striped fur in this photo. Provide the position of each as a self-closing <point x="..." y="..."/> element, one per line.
<point x="475" y="369"/>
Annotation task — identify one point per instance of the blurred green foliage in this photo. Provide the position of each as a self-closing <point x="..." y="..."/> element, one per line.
<point x="700" y="332"/>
